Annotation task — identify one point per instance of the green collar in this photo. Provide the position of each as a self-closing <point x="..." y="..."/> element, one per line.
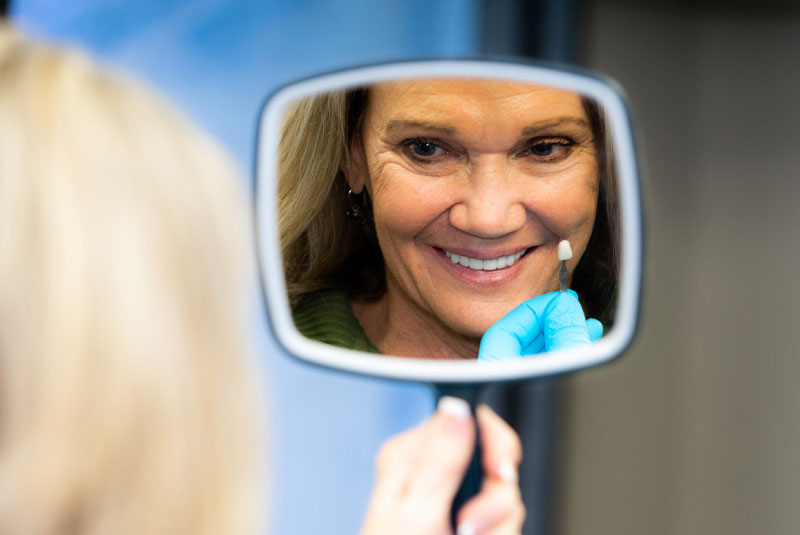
<point x="326" y="316"/>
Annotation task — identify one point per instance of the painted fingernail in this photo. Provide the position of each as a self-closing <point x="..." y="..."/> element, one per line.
<point x="507" y="471"/>
<point x="455" y="407"/>
<point x="465" y="528"/>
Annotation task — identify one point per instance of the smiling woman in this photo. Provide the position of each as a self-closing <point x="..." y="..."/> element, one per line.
<point x="415" y="214"/>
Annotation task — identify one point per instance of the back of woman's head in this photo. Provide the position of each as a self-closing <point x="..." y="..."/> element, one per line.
<point x="126" y="404"/>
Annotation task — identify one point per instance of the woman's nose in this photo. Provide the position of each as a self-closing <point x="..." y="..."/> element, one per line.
<point x="489" y="204"/>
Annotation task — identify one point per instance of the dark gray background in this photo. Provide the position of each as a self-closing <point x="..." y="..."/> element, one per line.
<point x="696" y="430"/>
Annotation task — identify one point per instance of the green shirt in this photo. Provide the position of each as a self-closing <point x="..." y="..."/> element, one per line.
<point x="326" y="316"/>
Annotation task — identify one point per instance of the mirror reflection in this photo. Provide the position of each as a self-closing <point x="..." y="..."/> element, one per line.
<point x="415" y="215"/>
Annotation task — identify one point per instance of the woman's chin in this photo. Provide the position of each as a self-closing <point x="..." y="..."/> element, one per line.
<point x="473" y="326"/>
<point x="468" y="318"/>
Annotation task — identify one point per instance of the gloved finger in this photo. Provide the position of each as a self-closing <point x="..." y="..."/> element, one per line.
<point x="535" y="347"/>
<point x="516" y="330"/>
<point x="595" y="329"/>
<point x="565" y="323"/>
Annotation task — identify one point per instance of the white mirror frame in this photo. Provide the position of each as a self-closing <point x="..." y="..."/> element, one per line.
<point x="435" y="371"/>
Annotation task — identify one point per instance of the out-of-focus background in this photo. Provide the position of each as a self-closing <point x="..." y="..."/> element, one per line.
<point x="694" y="430"/>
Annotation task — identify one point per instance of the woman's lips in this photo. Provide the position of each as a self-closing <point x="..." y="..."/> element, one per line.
<point x="485" y="264"/>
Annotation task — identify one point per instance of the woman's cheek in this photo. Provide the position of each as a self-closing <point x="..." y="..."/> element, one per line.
<point x="407" y="202"/>
<point x="564" y="209"/>
<point x="567" y="208"/>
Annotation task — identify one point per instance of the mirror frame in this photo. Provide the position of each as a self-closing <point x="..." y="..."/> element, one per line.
<point x="604" y="91"/>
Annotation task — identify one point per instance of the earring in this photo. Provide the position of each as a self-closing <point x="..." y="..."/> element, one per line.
<point x="353" y="210"/>
<point x="360" y="209"/>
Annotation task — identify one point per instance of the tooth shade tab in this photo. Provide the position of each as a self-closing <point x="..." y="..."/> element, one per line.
<point x="490" y="264"/>
<point x="564" y="250"/>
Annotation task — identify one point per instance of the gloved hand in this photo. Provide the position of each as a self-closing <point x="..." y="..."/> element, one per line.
<point x="544" y="323"/>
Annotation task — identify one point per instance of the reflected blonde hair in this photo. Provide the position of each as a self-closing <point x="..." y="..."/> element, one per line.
<point x="311" y="214"/>
<point x="321" y="246"/>
<point x="127" y="403"/>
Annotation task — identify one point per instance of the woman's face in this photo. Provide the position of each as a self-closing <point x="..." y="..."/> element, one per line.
<point x="473" y="184"/>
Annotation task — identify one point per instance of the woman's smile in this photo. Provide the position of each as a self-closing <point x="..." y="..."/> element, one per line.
<point x="489" y="264"/>
<point x="484" y="261"/>
<point x="480" y="270"/>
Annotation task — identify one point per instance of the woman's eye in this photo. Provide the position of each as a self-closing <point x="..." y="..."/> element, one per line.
<point x="551" y="149"/>
<point x="424" y="149"/>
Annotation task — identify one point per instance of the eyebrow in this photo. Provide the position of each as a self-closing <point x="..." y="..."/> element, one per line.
<point x="398" y="124"/>
<point x="535" y="128"/>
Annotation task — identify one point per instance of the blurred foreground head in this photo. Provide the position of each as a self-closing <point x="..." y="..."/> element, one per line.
<point x="127" y="403"/>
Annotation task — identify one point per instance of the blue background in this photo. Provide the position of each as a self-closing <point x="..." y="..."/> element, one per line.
<point x="217" y="60"/>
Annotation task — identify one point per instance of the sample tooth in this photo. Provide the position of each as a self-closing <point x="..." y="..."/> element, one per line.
<point x="453" y="258"/>
<point x="564" y="250"/>
<point x="464" y="261"/>
<point x="448" y="253"/>
<point x="502" y="262"/>
<point x="475" y="263"/>
<point x="490" y="265"/>
<point x="564" y="254"/>
<point x="511" y="259"/>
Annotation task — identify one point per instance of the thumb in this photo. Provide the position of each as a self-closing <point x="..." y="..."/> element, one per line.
<point x="565" y="323"/>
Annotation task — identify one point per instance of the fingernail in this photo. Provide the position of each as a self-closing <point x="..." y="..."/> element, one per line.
<point x="465" y="528"/>
<point x="507" y="471"/>
<point x="455" y="407"/>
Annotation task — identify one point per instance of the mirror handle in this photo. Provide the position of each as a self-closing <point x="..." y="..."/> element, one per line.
<point x="471" y="484"/>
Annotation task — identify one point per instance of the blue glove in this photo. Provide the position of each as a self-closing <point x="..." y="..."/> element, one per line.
<point x="545" y="323"/>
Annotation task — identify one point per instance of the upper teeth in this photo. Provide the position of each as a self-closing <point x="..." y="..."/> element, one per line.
<point x="486" y="265"/>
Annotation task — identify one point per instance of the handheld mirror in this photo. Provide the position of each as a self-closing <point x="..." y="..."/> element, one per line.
<point x="403" y="209"/>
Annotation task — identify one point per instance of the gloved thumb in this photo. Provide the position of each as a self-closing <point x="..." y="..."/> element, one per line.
<point x="595" y="329"/>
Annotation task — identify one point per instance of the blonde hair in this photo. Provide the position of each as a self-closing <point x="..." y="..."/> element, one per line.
<point x="127" y="403"/>
<point x="311" y="214"/>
